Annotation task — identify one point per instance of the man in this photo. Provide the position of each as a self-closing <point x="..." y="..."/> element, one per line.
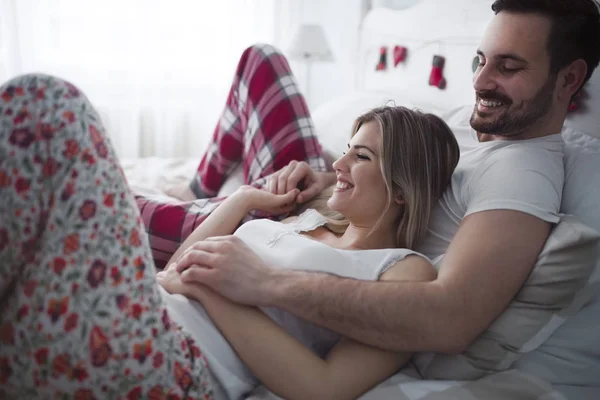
<point x="490" y="225"/>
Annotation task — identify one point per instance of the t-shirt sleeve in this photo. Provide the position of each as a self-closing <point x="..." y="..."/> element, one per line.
<point x="527" y="180"/>
<point x="396" y="255"/>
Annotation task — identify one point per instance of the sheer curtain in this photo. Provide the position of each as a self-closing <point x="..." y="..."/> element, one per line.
<point x="157" y="70"/>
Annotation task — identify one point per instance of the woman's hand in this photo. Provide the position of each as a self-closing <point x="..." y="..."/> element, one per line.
<point x="170" y="280"/>
<point x="296" y="173"/>
<point x="263" y="200"/>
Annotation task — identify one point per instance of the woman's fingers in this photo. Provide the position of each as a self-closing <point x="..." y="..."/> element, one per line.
<point x="202" y="253"/>
<point x="282" y="181"/>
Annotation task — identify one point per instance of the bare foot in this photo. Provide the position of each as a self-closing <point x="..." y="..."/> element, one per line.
<point x="181" y="192"/>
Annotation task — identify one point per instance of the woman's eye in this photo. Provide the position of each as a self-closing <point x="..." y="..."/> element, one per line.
<point x="361" y="156"/>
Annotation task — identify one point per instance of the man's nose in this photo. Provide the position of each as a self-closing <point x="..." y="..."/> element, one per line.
<point x="484" y="79"/>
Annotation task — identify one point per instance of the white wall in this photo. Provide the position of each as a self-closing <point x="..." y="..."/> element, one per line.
<point x="340" y="20"/>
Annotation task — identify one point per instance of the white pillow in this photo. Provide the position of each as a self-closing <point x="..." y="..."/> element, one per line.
<point x="551" y="293"/>
<point x="572" y="355"/>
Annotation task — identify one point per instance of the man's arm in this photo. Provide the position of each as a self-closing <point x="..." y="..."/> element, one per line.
<point x="282" y="363"/>
<point x="487" y="262"/>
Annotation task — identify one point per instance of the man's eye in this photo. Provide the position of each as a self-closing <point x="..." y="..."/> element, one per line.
<point x="506" y="70"/>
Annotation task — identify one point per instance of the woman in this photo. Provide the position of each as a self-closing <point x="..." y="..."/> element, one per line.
<point x="81" y="314"/>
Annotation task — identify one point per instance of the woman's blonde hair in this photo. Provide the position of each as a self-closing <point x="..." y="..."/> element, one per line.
<point x="418" y="155"/>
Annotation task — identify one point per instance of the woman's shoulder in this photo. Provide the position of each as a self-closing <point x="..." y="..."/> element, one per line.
<point x="412" y="266"/>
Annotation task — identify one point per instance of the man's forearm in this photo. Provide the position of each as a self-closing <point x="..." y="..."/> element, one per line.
<point x="398" y="316"/>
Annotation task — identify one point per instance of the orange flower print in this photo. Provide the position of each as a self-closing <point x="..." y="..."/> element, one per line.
<point x="84" y="394"/>
<point x="7" y="334"/>
<point x="71" y="322"/>
<point x="140" y="266"/>
<point x="61" y="365"/>
<point x="142" y="350"/>
<point x="156" y="393"/>
<point x="69" y="116"/>
<point x="134" y="238"/>
<point x="99" y="348"/>
<point x="57" y="308"/>
<point x="5" y="370"/>
<point x="71" y="244"/>
<point x="97" y="273"/>
<point x="71" y="149"/>
<point x="41" y="356"/>
<point x="87" y="210"/>
<point x="5" y="179"/>
<point x="95" y="135"/>
<point x="116" y="276"/>
<point x="7" y="95"/>
<point x="182" y="376"/>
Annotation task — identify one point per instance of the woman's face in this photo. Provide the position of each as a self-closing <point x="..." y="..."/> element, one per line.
<point x="360" y="193"/>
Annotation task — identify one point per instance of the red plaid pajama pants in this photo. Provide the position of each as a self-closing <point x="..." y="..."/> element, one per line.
<point x="265" y="125"/>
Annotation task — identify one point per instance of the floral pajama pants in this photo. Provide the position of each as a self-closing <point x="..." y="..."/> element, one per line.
<point x="265" y="124"/>
<point x="80" y="313"/>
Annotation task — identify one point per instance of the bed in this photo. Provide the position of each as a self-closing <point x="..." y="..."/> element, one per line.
<point x="561" y="360"/>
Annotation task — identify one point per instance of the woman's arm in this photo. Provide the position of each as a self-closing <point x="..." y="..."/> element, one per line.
<point x="227" y="216"/>
<point x="293" y="371"/>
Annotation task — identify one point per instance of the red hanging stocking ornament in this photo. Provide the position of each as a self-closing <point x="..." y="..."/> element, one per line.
<point x="382" y="63"/>
<point x="399" y="54"/>
<point x="436" y="77"/>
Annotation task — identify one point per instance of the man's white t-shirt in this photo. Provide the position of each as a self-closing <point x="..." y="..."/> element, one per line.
<point x="520" y="175"/>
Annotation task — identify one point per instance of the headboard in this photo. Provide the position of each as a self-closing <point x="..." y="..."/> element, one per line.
<point x="450" y="28"/>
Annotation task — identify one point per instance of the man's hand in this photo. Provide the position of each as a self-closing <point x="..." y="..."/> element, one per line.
<point x="229" y="267"/>
<point x="296" y="172"/>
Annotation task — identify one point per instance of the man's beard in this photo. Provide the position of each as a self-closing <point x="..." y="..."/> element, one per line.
<point x="515" y="119"/>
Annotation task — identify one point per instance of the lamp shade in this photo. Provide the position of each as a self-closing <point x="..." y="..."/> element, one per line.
<point x="310" y="44"/>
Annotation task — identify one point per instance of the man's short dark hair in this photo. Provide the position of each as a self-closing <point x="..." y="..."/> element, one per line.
<point x="575" y="31"/>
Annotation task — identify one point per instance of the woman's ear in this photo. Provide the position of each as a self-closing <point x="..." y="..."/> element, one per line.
<point x="399" y="199"/>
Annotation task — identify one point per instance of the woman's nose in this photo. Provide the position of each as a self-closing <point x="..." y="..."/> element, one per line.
<point x="340" y="164"/>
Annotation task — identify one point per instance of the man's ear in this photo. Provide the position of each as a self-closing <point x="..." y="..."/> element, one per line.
<point x="570" y="79"/>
